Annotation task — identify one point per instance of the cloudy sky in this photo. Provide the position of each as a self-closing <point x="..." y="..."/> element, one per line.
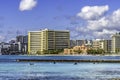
<point x="86" y="19"/>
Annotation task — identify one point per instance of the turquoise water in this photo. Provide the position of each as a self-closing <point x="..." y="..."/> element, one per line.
<point x="12" y="70"/>
<point x="58" y="71"/>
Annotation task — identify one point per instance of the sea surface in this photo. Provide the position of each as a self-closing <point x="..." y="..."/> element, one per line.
<point x="12" y="70"/>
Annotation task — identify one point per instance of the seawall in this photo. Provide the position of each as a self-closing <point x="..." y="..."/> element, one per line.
<point x="47" y="60"/>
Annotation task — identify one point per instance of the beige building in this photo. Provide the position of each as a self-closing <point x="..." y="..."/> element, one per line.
<point x="102" y="44"/>
<point x="69" y="51"/>
<point x="47" y="40"/>
<point x="105" y="45"/>
<point x="96" y="44"/>
<point x="116" y="43"/>
<point x="73" y="50"/>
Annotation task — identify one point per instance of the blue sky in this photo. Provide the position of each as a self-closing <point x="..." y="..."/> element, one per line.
<point x="16" y="18"/>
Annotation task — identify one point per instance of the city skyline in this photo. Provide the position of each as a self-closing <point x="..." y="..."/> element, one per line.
<point x="86" y="19"/>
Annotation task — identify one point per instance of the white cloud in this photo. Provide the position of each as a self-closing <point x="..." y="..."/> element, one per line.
<point x="115" y="19"/>
<point x="27" y="4"/>
<point x="98" y="24"/>
<point x="102" y="27"/>
<point x="93" y="12"/>
<point x="105" y="33"/>
<point x="110" y="22"/>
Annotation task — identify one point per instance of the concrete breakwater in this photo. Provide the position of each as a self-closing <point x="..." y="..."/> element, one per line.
<point x="47" y="60"/>
<point x="26" y="58"/>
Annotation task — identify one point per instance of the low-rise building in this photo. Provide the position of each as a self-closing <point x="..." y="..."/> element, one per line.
<point x="4" y="47"/>
<point x="69" y="51"/>
<point x="76" y="50"/>
<point x="14" y="48"/>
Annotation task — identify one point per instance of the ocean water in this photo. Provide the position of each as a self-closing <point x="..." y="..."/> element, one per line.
<point x="11" y="70"/>
<point x="58" y="71"/>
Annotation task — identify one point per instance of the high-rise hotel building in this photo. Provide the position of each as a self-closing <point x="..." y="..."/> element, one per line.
<point x="116" y="42"/>
<point x="47" y="40"/>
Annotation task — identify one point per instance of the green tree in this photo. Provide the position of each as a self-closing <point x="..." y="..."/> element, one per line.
<point x="117" y="50"/>
<point x="53" y="51"/>
<point x="78" y="51"/>
<point x="90" y="51"/>
<point x="95" y="51"/>
<point x="45" y="51"/>
<point x="38" y="52"/>
<point x="100" y="51"/>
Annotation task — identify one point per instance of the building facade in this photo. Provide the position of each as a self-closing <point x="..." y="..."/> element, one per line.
<point x="22" y="42"/>
<point x="80" y="42"/>
<point x="47" y="40"/>
<point x="116" y="43"/>
<point x="105" y="45"/>
<point x="76" y="49"/>
<point x="4" y="47"/>
<point x="72" y="43"/>
<point x="96" y="44"/>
